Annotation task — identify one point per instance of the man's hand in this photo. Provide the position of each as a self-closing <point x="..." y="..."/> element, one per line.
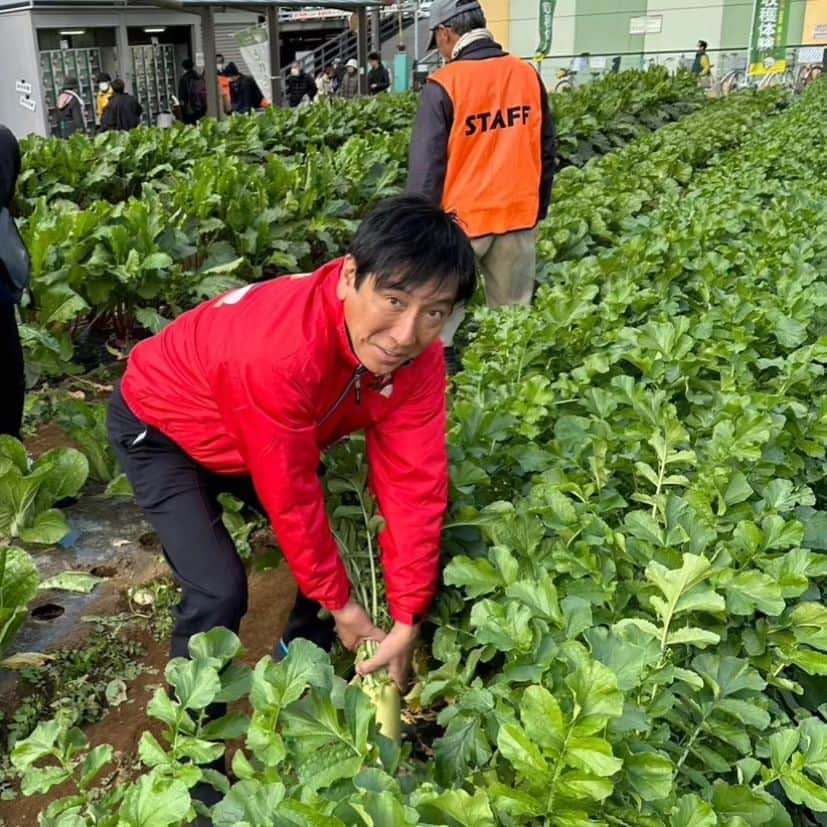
<point x="394" y="652"/>
<point x="354" y="626"/>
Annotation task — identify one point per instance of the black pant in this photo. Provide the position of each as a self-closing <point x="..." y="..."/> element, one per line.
<point x="12" y="378"/>
<point x="179" y="496"/>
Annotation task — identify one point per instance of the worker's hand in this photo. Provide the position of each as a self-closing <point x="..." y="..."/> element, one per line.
<point x="394" y="653"/>
<point x="354" y="626"/>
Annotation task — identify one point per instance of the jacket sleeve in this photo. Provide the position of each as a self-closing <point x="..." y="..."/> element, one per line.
<point x="108" y="117"/>
<point x="278" y="442"/>
<point x="384" y="80"/>
<point x="548" y="152"/>
<point x="428" y="159"/>
<point x="408" y="463"/>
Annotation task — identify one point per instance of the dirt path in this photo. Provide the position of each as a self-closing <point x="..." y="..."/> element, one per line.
<point x="271" y="597"/>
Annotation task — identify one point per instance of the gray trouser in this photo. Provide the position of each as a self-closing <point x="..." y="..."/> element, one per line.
<point x="508" y="265"/>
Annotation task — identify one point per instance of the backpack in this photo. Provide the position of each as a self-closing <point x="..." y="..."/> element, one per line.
<point x="14" y="255"/>
<point x="197" y="94"/>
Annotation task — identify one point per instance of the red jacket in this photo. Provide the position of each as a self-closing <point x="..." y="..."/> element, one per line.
<point x="250" y="383"/>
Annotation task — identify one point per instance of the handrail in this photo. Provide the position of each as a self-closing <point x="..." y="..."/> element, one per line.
<point x="344" y="46"/>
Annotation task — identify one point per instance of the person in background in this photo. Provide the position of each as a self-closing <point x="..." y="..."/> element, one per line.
<point x="12" y="379"/>
<point x="223" y="85"/>
<point x="581" y="68"/>
<point x="338" y="73"/>
<point x="299" y="85"/>
<point x="245" y="96"/>
<point x="483" y="147"/>
<point x="192" y="93"/>
<point x="105" y="93"/>
<point x="70" y="115"/>
<point x="349" y="86"/>
<point x="124" y="112"/>
<point x="326" y="82"/>
<point x="379" y="80"/>
<point x="702" y="66"/>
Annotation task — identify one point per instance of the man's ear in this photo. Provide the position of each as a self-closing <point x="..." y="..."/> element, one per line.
<point x="347" y="278"/>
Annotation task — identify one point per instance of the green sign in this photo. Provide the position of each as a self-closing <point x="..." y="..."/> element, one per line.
<point x="768" y="51"/>
<point x="546" y="17"/>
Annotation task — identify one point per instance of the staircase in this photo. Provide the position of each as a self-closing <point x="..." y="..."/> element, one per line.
<point x="344" y="45"/>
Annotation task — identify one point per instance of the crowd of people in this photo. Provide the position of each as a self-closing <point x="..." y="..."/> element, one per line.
<point x="116" y="109"/>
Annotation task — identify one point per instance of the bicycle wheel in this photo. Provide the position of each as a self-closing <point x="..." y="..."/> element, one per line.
<point x="563" y="85"/>
<point x="732" y="81"/>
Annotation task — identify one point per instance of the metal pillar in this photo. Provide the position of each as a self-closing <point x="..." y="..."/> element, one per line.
<point x="214" y="108"/>
<point x="274" y="40"/>
<point x="362" y="50"/>
<point x="375" y="24"/>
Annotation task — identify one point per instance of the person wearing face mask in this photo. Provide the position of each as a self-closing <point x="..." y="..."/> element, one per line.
<point x="299" y="85"/>
<point x="483" y="146"/>
<point x="104" y="94"/>
<point x="349" y="86"/>
<point x="223" y="85"/>
<point x="123" y="112"/>
<point x="14" y="274"/>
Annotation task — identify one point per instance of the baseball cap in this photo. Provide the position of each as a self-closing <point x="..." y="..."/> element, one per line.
<point x="444" y="10"/>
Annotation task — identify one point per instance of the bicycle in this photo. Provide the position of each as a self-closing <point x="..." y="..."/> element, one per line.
<point x="807" y="74"/>
<point x="565" y="82"/>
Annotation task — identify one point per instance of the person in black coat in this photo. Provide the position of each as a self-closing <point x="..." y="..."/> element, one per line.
<point x="299" y="84"/>
<point x="12" y="381"/>
<point x="191" y="93"/>
<point x="70" y="116"/>
<point x="124" y="112"/>
<point x="245" y="96"/>
<point x="379" y="80"/>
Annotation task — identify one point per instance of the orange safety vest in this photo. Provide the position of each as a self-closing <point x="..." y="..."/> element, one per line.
<point x="494" y="149"/>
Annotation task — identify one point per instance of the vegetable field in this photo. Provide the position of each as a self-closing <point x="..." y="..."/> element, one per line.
<point x="631" y="628"/>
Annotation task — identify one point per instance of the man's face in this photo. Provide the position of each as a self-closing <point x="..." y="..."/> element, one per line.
<point x="389" y="327"/>
<point x="374" y="64"/>
<point x="444" y="42"/>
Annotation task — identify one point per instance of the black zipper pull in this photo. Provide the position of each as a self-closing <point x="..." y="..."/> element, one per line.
<point x="359" y="372"/>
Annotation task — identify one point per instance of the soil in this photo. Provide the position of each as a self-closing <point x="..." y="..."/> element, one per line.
<point x="272" y="594"/>
<point x="48" y="436"/>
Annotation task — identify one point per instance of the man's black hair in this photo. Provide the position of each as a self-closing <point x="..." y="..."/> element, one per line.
<point x="702" y="44"/>
<point x="187" y="64"/>
<point x="375" y="56"/>
<point x="407" y="242"/>
<point x="118" y="86"/>
<point x="219" y="55"/>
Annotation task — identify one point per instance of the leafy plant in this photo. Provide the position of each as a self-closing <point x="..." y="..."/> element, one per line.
<point x="18" y="587"/>
<point x="27" y="493"/>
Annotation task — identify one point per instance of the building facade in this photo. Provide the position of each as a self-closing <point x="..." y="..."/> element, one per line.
<point x="645" y="30"/>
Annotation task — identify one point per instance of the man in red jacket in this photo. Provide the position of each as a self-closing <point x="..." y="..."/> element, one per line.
<point x="245" y="392"/>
